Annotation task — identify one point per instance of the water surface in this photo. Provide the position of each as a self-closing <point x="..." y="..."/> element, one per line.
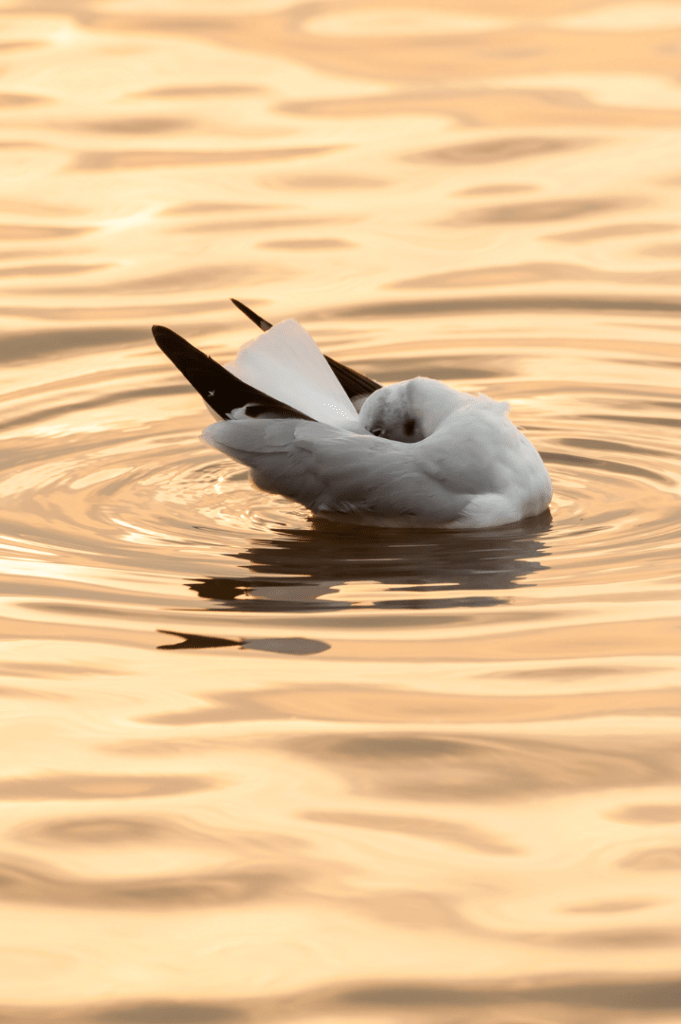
<point x="262" y="768"/>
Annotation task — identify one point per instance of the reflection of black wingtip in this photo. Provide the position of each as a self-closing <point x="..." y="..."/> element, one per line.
<point x="196" y="641"/>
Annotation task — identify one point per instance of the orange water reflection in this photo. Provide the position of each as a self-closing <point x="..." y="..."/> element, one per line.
<point x="257" y="768"/>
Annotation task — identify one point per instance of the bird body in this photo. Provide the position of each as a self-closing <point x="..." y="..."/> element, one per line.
<point x="417" y="453"/>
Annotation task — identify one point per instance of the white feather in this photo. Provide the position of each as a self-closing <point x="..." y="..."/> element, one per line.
<point x="286" y="364"/>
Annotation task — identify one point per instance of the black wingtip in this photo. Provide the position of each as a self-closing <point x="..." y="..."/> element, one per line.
<point x="264" y="325"/>
<point x="219" y="388"/>
<point x="168" y="341"/>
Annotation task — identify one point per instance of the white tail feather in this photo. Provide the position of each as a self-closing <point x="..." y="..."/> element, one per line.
<point x="286" y="364"/>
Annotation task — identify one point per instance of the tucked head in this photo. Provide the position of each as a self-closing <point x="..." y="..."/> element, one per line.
<point x="409" y="411"/>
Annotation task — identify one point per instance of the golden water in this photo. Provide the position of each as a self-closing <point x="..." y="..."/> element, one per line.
<point x="261" y="769"/>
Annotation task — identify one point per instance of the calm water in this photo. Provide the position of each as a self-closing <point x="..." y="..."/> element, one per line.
<point x="258" y="768"/>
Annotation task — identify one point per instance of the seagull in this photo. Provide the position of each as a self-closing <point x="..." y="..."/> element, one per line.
<point x="413" y="454"/>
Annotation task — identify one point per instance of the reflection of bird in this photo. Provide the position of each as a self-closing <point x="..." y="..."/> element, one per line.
<point x="415" y="453"/>
<point x="305" y="570"/>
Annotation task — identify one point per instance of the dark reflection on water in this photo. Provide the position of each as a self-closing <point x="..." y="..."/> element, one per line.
<point x="107" y="160"/>
<point x="276" y="644"/>
<point x="56" y="410"/>
<point x="502" y="304"/>
<point x="231" y="594"/>
<point x="505" y="275"/>
<point x="95" y="787"/>
<point x="431" y="767"/>
<point x="265" y="850"/>
<point x="607" y="465"/>
<point x="656" y="421"/>
<point x="31" y="344"/>
<point x="25" y="883"/>
<point x="182" y="91"/>
<point x="497" y="150"/>
<point x="659" y="995"/>
<point x="648" y="814"/>
<point x="170" y="1013"/>
<point x="401" y="1001"/>
<point x="489" y="107"/>
<point x="133" y="125"/>
<point x="622" y="938"/>
<point x="541" y="210"/>
<point x="457" y="833"/>
<point x="350" y="702"/>
<point x="107" y="830"/>
<point x="297" y="567"/>
<point x="663" y="858"/>
<point x="600" y="444"/>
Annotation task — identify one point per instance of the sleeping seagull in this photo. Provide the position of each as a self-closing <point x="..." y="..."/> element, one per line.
<point x="417" y="453"/>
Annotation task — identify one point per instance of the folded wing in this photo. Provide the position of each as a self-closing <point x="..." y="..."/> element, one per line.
<point x="330" y="469"/>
